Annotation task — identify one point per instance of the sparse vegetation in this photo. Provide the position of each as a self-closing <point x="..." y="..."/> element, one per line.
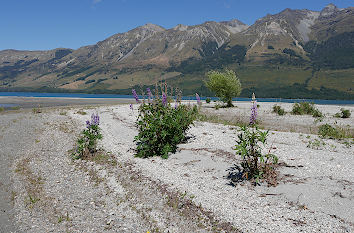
<point x="306" y="108"/>
<point x="225" y="85"/>
<point x="208" y="100"/>
<point x="328" y="131"/>
<point x="278" y="110"/>
<point x="344" y="113"/>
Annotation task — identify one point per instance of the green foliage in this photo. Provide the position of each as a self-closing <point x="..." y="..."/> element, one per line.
<point x="87" y="142"/>
<point x="2" y="109"/>
<point x="278" y="110"/>
<point x="344" y="113"/>
<point x="224" y="84"/>
<point x="328" y="131"/>
<point x="249" y="146"/>
<point x="162" y="127"/>
<point x="208" y="100"/>
<point x="306" y="108"/>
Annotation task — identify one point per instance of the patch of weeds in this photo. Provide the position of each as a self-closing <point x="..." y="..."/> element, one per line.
<point x="15" y="108"/>
<point x="81" y="112"/>
<point x="219" y="120"/>
<point x="208" y="100"/>
<point x="37" y="140"/>
<point x="217" y="106"/>
<point x="328" y="131"/>
<point x="344" y="113"/>
<point x="2" y="109"/>
<point x="62" y="218"/>
<point x="278" y="110"/>
<point x="63" y="113"/>
<point x="316" y="144"/>
<point x="306" y="108"/>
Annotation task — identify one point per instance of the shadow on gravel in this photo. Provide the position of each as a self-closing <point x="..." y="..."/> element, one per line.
<point x="235" y="175"/>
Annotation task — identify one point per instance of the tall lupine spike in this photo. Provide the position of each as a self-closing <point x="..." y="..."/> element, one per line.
<point x="135" y="96"/>
<point x="131" y="107"/>
<point x="149" y="94"/>
<point x="88" y="124"/>
<point x="253" y="117"/>
<point x="198" y="99"/>
<point x="164" y="99"/>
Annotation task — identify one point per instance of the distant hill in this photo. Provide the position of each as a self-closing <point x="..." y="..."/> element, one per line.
<point x="292" y="54"/>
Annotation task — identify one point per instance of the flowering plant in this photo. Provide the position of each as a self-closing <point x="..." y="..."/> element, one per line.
<point x="161" y="126"/>
<point x="87" y="142"/>
<point x="249" y="146"/>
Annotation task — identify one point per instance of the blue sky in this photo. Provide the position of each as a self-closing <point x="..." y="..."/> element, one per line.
<point x="49" y="24"/>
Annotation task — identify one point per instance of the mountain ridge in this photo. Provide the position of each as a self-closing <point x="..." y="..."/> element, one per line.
<point x="291" y="40"/>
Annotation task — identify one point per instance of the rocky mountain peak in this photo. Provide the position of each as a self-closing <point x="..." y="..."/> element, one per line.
<point x="330" y="9"/>
<point x="181" y="27"/>
<point x="235" y="25"/>
<point x="152" y="27"/>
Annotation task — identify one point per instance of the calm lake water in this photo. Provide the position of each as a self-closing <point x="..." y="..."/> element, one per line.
<point x="77" y="95"/>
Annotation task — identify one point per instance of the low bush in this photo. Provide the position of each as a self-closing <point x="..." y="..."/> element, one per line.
<point x="306" y="108"/>
<point x="328" y="131"/>
<point x="161" y="126"/>
<point x="87" y="142"/>
<point x="278" y="110"/>
<point x="208" y="100"/>
<point x="344" y="113"/>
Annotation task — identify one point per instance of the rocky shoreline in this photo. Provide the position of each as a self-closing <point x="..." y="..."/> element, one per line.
<point x="49" y="192"/>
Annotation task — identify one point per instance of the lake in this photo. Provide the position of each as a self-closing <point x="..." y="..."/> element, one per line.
<point x="112" y="96"/>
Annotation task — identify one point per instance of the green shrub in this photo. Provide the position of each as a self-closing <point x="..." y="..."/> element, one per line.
<point x="2" y="109"/>
<point x="208" y="100"/>
<point x="162" y="127"/>
<point x="328" y="131"/>
<point x="87" y="142"/>
<point x="306" y="108"/>
<point x="225" y="85"/>
<point x="278" y="110"/>
<point x="344" y="113"/>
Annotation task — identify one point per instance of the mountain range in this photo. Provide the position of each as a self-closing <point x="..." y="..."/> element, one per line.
<point x="292" y="54"/>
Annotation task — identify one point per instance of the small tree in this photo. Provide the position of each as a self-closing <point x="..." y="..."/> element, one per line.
<point x="225" y="85"/>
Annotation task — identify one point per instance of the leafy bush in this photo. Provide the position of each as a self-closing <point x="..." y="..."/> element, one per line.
<point x="278" y="110"/>
<point x="162" y="127"/>
<point x="2" y="109"/>
<point x="208" y="100"/>
<point x="306" y="108"/>
<point x="344" y="113"/>
<point x="87" y="142"/>
<point x="250" y="143"/>
<point x="224" y="84"/>
<point x="328" y="131"/>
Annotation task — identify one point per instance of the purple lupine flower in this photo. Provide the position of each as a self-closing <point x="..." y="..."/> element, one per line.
<point x="176" y="105"/>
<point x="131" y="107"/>
<point x="95" y="119"/>
<point x="253" y="117"/>
<point x="164" y="99"/>
<point x="135" y="96"/>
<point x="88" y="124"/>
<point x="198" y="99"/>
<point x="149" y="92"/>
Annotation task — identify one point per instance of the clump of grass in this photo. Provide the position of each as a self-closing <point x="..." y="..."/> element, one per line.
<point x="36" y="110"/>
<point x="344" y="113"/>
<point x="81" y="112"/>
<point x="2" y="109"/>
<point x="208" y="100"/>
<point x="62" y="113"/>
<point x="306" y="108"/>
<point x="278" y="110"/>
<point x="328" y="131"/>
<point x="15" y="108"/>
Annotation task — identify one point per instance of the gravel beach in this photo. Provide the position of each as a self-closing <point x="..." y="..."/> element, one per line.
<point x="44" y="190"/>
